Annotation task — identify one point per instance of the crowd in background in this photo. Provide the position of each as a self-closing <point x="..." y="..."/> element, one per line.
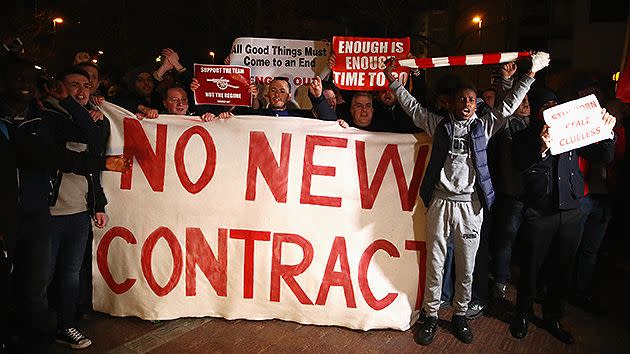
<point x="53" y="148"/>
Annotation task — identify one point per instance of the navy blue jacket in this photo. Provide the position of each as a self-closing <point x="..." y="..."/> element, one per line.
<point x="554" y="183"/>
<point x="478" y="143"/>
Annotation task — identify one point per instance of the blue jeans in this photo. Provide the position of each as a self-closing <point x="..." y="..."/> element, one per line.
<point x="69" y="235"/>
<point x="596" y="212"/>
<point x="509" y="217"/>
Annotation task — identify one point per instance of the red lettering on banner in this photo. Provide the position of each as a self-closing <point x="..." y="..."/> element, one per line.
<point x="264" y="80"/>
<point x="364" y="265"/>
<point x="137" y="145"/>
<point x="309" y="169"/>
<point x="101" y="258"/>
<point x="341" y="278"/>
<point x="199" y="253"/>
<point x="261" y="158"/>
<point x="250" y="237"/>
<point x="147" y="253"/>
<point x="391" y="156"/>
<point x="288" y="272"/>
<point x="211" y="159"/>
<point x="421" y="247"/>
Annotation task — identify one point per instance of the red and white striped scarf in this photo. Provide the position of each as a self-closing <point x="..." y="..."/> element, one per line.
<point x="472" y="59"/>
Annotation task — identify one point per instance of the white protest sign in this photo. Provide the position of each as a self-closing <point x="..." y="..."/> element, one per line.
<point x="298" y="60"/>
<point x="262" y="217"/>
<point x="575" y="124"/>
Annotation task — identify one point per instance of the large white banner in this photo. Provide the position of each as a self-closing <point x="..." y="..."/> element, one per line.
<point x="260" y="218"/>
<point x="298" y="60"/>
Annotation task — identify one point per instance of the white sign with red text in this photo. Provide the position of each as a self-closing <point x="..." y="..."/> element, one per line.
<point x="297" y="60"/>
<point x="575" y="124"/>
<point x="261" y="218"/>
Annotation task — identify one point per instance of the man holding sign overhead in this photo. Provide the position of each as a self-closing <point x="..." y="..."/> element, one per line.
<point x="547" y="154"/>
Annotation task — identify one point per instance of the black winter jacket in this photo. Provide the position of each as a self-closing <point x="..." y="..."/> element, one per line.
<point x="96" y="139"/>
<point x="554" y="183"/>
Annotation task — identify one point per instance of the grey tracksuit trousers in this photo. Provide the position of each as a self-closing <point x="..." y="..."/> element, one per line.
<point x="461" y="220"/>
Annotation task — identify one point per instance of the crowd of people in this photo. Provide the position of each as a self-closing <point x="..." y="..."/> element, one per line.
<point x="492" y="190"/>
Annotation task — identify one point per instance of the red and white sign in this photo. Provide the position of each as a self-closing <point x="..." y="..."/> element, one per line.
<point x="575" y="124"/>
<point x="260" y="218"/>
<point x="226" y="85"/>
<point x="359" y="61"/>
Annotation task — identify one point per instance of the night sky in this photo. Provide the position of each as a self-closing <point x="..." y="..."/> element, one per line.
<point x="133" y="32"/>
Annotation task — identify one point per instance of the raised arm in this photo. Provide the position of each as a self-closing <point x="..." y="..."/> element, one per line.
<point x="321" y="108"/>
<point x="508" y="105"/>
<point x="421" y="116"/>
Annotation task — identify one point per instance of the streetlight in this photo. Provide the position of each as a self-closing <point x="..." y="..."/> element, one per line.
<point x="212" y="55"/>
<point x="100" y="52"/>
<point x="477" y="20"/>
<point x="56" y="21"/>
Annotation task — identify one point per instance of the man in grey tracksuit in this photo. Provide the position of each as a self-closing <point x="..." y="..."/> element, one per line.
<point x="456" y="187"/>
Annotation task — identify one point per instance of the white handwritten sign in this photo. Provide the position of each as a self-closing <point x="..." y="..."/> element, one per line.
<point x="575" y="124"/>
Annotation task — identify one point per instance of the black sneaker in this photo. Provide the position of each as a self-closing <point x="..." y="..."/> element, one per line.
<point x="461" y="329"/>
<point x="426" y="331"/>
<point x="475" y="310"/>
<point x="519" y="325"/>
<point x="498" y="291"/>
<point x="553" y="327"/>
<point x="444" y="304"/>
<point x="73" y="338"/>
